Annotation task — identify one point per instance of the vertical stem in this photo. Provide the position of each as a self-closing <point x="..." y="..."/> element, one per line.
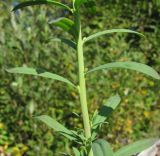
<point x="82" y="82"/>
<point x="82" y="90"/>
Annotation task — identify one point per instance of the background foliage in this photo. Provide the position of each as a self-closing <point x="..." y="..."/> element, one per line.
<point x="26" y="40"/>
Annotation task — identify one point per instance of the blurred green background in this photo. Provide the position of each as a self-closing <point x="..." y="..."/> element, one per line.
<point x="26" y="40"/>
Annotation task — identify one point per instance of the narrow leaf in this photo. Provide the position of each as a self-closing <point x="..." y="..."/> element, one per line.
<point x="39" y="72"/>
<point x="66" y="24"/>
<point x="109" y="32"/>
<point x="102" y="148"/>
<point x="76" y="152"/>
<point x="68" y="42"/>
<point x="142" y="68"/>
<point x="106" y="111"/>
<point x="52" y="123"/>
<point x="63" y="22"/>
<point x="39" y="2"/>
<point x="135" y="148"/>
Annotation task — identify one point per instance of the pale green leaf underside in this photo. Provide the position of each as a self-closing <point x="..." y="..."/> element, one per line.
<point x="135" y="148"/>
<point x="106" y="110"/>
<point x="52" y="123"/>
<point x="109" y="32"/>
<point x="102" y="148"/>
<point x="39" y="2"/>
<point x="39" y="72"/>
<point x="142" y="68"/>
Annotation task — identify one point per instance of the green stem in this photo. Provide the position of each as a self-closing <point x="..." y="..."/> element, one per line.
<point x="82" y="82"/>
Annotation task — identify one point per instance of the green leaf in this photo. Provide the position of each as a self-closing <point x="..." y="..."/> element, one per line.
<point x="88" y="3"/>
<point x="39" y="2"/>
<point x="52" y="123"/>
<point x="39" y="72"/>
<point x="135" y="148"/>
<point x="106" y="111"/>
<point x="142" y="68"/>
<point x="63" y="22"/>
<point x="76" y="152"/>
<point x="68" y="42"/>
<point x="102" y="148"/>
<point x="78" y="3"/>
<point x="109" y="32"/>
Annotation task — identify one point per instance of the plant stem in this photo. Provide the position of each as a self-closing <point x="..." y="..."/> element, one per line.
<point x="82" y="88"/>
<point x="82" y="82"/>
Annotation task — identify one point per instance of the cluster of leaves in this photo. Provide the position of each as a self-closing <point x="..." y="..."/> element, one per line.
<point x="31" y="103"/>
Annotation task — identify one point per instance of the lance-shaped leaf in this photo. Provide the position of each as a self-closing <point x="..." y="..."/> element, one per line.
<point x="102" y="148"/>
<point x="52" y="123"/>
<point x="39" y="72"/>
<point x="68" y="42"/>
<point x="39" y="2"/>
<point x="64" y="23"/>
<point x="105" y="111"/>
<point x="76" y="152"/>
<point x="142" y="68"/>
<point x="105" y="32"/>
<point x="135" y="148"/>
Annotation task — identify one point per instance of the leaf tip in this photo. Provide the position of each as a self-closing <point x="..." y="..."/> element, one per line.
<point x="8" y="70"/>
